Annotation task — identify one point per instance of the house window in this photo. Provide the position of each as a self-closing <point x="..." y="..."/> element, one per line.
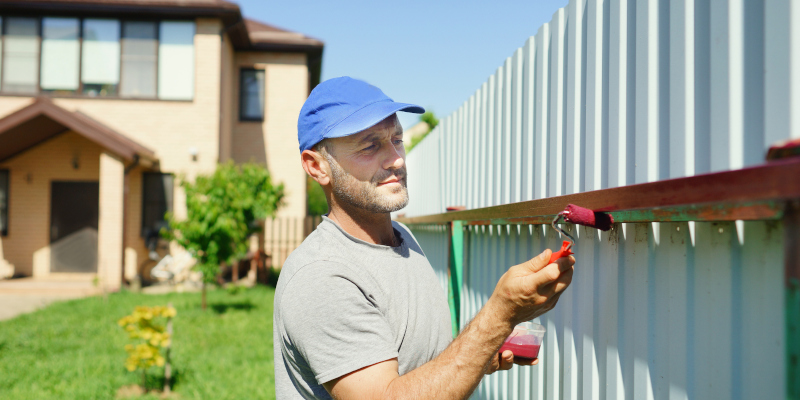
<point x="176" y="60"/>
<point x="60" y="54"/>
<point x="100" y="59"/>
<point x="97" y="57"/>
<point x="3" y="202"/>
<point x="156" y="201"/>
<point x="21" y="55"/>
<point x="139" y="59"/>
<point x="251" y="95"/>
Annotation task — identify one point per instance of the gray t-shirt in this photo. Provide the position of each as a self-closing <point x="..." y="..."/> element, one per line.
<point x="343" y="304"/>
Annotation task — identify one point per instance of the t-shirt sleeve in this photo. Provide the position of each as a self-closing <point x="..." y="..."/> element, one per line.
<point x="331" y="321"/>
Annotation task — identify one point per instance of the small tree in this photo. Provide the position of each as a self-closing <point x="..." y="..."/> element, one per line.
<point x="149" y="336"/>
<point x="223" y="210"/>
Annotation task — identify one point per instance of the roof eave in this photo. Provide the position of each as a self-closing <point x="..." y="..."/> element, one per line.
<point x="229" y="13"/>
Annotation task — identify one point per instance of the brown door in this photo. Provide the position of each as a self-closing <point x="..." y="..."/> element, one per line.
<point x="74" y="214"/>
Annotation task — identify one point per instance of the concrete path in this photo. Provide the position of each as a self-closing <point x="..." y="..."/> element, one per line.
<point x="19" y="296"/>
<point x="12" y="305"/>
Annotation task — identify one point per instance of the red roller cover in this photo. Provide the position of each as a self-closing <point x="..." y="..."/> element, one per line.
<point x="586" y="217"/>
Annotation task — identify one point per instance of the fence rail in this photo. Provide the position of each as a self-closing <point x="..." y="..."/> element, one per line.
<point x="283" y="235"/>
<point x="623" y="106"/>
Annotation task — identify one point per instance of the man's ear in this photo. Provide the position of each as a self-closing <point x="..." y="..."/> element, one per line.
<point x="316" y="166"/>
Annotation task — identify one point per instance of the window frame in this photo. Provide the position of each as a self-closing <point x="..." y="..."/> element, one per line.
<point x="243" y="118"/>
<point x="3" y="50"/>
<point x="144" y="202"/>
<point x="122" y="23"/>
<point x="79" y="92"/>
<point x="39" y="90"/>
<point x="4" y="230"/>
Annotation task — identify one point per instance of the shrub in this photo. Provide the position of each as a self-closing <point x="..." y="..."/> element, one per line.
<point x="146" y="327"/>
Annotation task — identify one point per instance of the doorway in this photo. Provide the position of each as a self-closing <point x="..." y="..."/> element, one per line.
<point x="74" y="217"/>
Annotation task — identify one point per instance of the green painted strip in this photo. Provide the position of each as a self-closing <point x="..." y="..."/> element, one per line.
<point x="456" y="273"/>
<point x="793" y="339"/>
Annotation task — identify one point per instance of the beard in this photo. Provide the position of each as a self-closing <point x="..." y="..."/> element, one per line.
<point x="366" y="195"/>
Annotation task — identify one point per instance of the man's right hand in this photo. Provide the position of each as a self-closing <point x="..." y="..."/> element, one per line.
<point x="532" y="288"/>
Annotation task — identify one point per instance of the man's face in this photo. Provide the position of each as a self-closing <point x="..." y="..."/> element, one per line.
<point x="369" y="170"/>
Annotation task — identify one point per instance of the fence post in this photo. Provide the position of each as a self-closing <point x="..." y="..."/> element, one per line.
<point x="791" y="229"/>
<point x="456" y="272"/>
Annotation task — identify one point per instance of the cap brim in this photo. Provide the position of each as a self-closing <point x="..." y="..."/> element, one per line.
<point x="370" y="116"/>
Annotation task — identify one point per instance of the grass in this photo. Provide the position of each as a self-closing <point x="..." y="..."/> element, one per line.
<point x="74" y="349"/>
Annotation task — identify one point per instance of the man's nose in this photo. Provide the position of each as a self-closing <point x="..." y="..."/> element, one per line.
<point x="395" y="159"/>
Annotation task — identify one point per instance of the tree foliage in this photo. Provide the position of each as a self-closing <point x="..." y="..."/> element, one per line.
<point x="429" y="118"/>
<point x="317" y="203"/>
<point x="223" y="210"/>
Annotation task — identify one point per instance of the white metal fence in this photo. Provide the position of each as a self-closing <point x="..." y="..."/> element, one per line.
<point x="612" y="93"/>
<point x="654" y="311"/>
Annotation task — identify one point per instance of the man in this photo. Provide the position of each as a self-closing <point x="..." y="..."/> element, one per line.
<point x="359" y="313"/>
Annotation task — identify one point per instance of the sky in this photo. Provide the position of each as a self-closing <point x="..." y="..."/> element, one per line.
<point x="432" y="53"/>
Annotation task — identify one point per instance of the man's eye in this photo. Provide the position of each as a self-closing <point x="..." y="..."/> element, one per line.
<point x="372" y="147"/>
<point x="400" y="141"/>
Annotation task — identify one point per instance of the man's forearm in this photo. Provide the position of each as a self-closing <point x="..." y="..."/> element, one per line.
<point x="458" y="370"/>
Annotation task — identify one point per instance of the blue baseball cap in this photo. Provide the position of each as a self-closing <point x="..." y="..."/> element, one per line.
<point x="344" y="106"/>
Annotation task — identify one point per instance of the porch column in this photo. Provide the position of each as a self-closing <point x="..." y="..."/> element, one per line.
<point x="109" y="232"/>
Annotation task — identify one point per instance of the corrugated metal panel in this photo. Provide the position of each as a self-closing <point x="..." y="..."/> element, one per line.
<point x="435" y="244"/>
<point x="612" y="93"/>
<point x="654" y="311"/>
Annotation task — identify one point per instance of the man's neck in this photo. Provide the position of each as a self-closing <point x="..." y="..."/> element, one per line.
<point x="369" y="227"/>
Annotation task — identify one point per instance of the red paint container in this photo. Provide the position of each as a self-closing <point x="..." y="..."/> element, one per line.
<point x="525" y="340"/>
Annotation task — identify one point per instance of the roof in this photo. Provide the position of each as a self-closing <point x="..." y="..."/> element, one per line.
<point x="263" y="35"/>
<point x="43" y="119"/>
<point x="245" y="34"/>
<point x="210" y="4"/>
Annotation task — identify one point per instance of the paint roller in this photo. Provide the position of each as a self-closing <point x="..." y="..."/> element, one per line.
<point x="578" y="216"/>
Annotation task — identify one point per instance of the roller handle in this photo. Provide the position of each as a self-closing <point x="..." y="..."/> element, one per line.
<point x="564" y="252"/>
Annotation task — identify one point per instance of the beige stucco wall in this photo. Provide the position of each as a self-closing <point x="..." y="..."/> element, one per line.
<point x="228" y="105"/>
<point x="274" y="140"/>
<point x="109" y="229"/>
<point x="135" y="250"/>
<point x="31" y="174"/>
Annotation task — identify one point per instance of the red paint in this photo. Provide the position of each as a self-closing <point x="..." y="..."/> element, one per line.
<point x="564" y="252"/>
<point x="586" y="217"/>
<point x="523" y="346"/>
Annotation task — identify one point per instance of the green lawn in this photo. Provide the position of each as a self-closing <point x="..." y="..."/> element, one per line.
<point x="74" y="349"/>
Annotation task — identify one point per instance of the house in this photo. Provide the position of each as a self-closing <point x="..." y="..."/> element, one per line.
<point x="105" y="104"/>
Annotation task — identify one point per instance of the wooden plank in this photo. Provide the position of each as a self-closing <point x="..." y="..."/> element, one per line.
<point x="774" y="181"/>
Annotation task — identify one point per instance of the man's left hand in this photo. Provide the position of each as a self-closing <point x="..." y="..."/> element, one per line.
<point x="506" y="361"/>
